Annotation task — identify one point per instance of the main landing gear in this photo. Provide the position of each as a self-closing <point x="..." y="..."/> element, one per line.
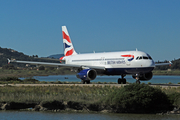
<point x="85" y="81"/>
<point x="122" y="80"/>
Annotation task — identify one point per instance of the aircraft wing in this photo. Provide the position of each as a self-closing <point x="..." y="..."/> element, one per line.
<point x="160" y="64"/>
<point x="57" y="64"/>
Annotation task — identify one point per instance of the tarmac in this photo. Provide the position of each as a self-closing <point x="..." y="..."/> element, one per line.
<point x="82" y="85"/>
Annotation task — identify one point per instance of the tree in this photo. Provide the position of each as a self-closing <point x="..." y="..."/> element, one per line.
<point x="9" y="67"/>
<point x="139" y="98"/>
<point x="41" y="68"/>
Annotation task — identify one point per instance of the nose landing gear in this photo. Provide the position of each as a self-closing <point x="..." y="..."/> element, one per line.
<point x="138" y="82"/>
<point x="85" y="81"/>
<point x="137" y="79"/>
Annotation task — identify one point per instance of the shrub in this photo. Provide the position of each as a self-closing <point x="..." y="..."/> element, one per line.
<point x="10" y="79"/>
<point x="149" y="83"/>
<point x="9" y="67"/>
<point x="99" y="82"/>
<point x="58" y="82"/>
<point x="30" y="80"/>
<point x="41" y="68"/>
<point x="174" y="98"/>
<point x="50" y="105"/>
<point x="139" y="98"/>
<point x="170" y="83"/>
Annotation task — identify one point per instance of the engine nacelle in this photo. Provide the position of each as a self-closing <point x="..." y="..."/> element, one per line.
<point x="144" y="77"/>
<point x="87" y="74"/>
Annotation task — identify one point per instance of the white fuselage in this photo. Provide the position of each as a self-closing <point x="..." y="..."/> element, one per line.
<point x="113" y="60"/>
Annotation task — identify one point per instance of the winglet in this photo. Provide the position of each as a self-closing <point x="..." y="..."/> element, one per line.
<point x="160" y="64"/>
<point x="170" y="63"/>
<point x="8" y="60"/>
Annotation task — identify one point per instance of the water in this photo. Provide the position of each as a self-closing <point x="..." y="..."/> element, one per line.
<point x="28" y="115"/>
<point x="72" y="78"/>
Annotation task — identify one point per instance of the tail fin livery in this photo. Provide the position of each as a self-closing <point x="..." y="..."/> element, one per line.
<point x="68" y="46"/>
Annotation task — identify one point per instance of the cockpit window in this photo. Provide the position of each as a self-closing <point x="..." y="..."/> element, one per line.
<point x="149" y="56"/>
<point x="145" y="58"/>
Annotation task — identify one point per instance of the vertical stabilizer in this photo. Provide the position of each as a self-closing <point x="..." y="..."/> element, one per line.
<point x="68" y="46"/>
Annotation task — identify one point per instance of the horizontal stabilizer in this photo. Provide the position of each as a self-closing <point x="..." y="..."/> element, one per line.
<point x="161" y="64"/>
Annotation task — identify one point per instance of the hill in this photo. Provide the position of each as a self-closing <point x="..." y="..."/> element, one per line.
<point x="56" y="56"/>
<point x="13" y="54"/>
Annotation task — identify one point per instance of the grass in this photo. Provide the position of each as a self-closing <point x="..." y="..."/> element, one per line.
<point x="51" y="93"/>
<point x="95" y="95"/>
<point x="30" y="73"/>
<point x="31" y="80"/>
<point x="166" y="72"/>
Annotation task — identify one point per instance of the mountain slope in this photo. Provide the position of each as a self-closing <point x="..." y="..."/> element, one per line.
<point x="56" y="56"/>
<point x="12" y="54"/>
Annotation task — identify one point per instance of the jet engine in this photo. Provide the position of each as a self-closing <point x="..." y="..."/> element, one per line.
<point x="87" y="74"/>
<point x="144" y="77"/>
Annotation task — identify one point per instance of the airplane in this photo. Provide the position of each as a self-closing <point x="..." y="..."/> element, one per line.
<point x="136" y="63"/>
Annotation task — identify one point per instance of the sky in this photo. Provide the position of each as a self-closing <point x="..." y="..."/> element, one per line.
<point x="34" y="26"/>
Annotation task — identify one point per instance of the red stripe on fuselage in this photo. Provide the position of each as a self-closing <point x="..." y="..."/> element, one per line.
<point x="128" y="56"/>
<point x="66" y="37"/>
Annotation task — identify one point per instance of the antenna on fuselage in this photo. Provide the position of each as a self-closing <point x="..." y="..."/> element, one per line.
<point x="136" y="49"/>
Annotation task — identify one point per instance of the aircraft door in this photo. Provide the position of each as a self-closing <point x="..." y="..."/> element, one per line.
<point x="103" y="62"/>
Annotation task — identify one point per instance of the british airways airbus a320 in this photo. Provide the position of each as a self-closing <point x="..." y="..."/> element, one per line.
<point x="88" y="66"/>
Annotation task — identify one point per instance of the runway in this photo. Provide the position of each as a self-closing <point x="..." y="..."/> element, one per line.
<point x="90" y="85"/>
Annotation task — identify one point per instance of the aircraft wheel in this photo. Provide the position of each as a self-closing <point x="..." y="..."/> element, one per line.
<point x="119" y="81"/>
<point x="124" y="81"/>
<point x="83" y="82"/>
<point x="138" y="82"/>
<point x="88" y="82"/>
